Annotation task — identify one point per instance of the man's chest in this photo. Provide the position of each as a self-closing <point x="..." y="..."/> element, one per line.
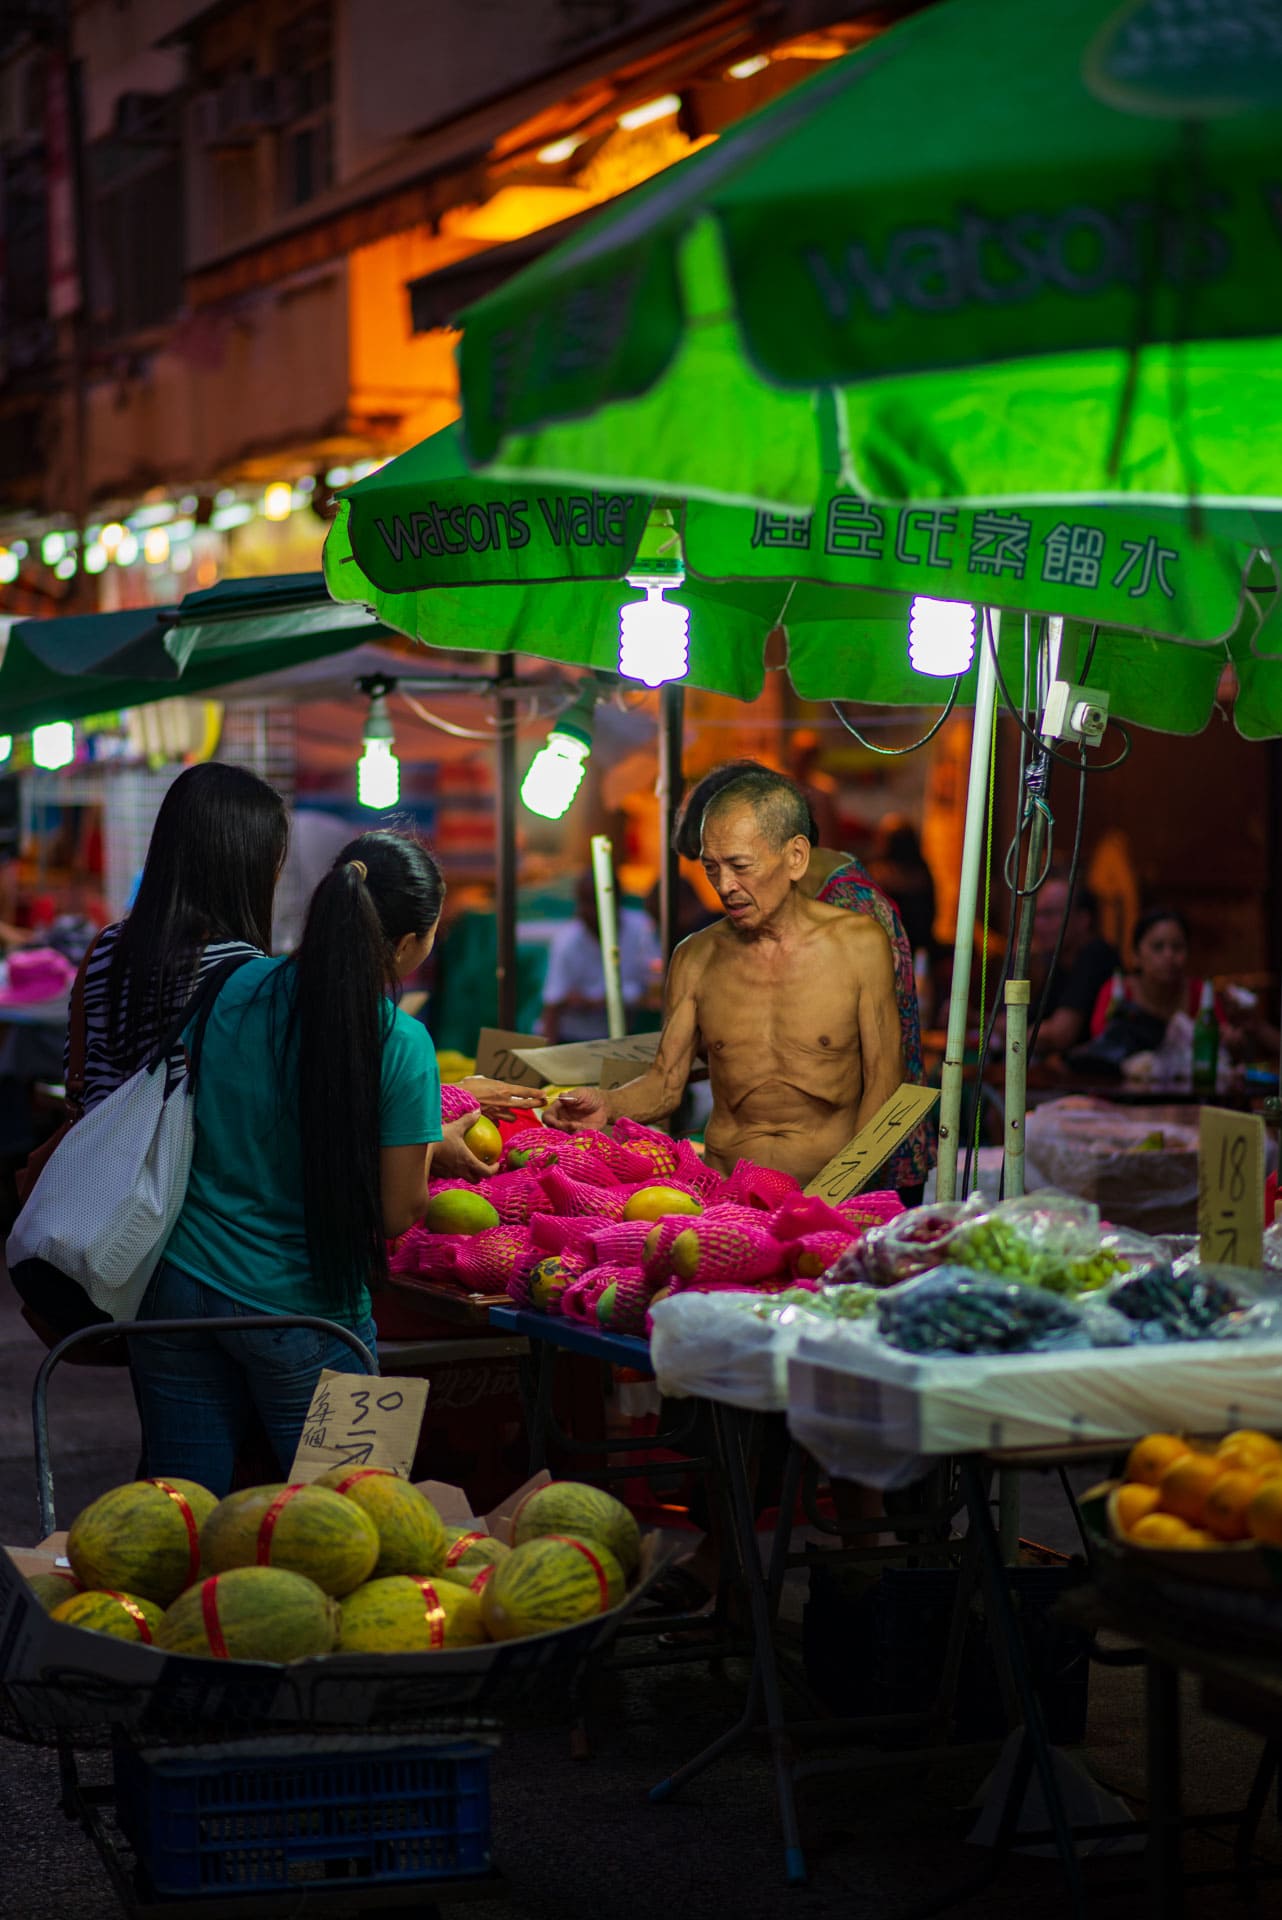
<point x="781" y="1006"/>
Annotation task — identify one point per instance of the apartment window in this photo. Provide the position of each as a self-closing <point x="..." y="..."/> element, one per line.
<point x="136" y="224"/>
<point x="305" y="143"/>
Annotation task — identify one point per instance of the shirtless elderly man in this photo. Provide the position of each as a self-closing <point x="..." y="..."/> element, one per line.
<point x="791" y="1002"/>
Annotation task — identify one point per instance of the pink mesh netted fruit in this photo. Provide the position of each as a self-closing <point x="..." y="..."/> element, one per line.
<point x="752" y="1186"/>
<point x="871" y="1209"/>
<point x="722" y="1245"/>
<point x="568" y="1196"/>
<point x="657" y="1247"/>
<point x="456" y="1102"/>
<point x="695" y="1172"/>
<point x="514" y="1196"/>
<point x="657" y="1148"/>
<point x="573" y="1234"/>
<point x="622" y="1305"/>
<point x="806" y="1213"/>
<point x="538" y="1284"/>
<point x="813" y="1253"/>
<point x="622" y="1242"/>
<point x="579" y="1299"/>
<point x="486" y="1260"/>
<point x="432" y="1256"/>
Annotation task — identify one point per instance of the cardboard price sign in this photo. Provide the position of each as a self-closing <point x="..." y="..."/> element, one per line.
<point x="497" y="1057"/>
<point x="850" y="1170"/>
<point x="1230" y="1188"/>
<point x="360" y="1420"/>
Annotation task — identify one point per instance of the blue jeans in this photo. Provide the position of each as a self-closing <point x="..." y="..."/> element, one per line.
<point x="197" y="1390"/>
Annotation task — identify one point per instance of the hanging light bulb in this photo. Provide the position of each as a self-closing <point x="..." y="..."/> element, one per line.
<point x="378" y="771"/>
<point x="654" y="633"/>
<point x="126" y="548"/>
<point x="941" y="636"/>
<point x="6" y="746"/>
<point x="53" y="746"/>
<point x="111" y="536"/>
<point x="10" y="566"/>
<point x="556" y="771"/>
<point x="278" y="500"/>
<point x="155" y="546"/>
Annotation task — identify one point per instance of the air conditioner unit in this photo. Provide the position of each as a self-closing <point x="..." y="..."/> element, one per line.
<point x="244" y="107"/>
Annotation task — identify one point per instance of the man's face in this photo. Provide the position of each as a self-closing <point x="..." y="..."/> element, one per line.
<point x="752" y="878"/>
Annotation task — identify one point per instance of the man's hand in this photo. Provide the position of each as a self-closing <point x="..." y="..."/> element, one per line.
<point x="581" y="1110"/>
<point x="497" y="1096"/>
<point x="454" y="1159"/>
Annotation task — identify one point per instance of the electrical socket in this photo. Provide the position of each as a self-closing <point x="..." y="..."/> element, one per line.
<point x="1075" y="714"/>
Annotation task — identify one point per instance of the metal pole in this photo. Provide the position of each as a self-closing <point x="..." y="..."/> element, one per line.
<point x="671" y="781"/>
<point x="1017" y="998"/>
<point x="968" y="891"/>
<point x="505" y="844"/>
<point x="607" y="919"/>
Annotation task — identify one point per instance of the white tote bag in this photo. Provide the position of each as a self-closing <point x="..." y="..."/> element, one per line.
<point x="107" y="1198"/>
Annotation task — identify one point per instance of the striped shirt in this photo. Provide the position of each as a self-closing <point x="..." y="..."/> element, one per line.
<point x="107" y="1064"/>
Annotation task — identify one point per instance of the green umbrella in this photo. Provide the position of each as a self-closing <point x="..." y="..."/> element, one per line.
<point x="416" y="539"/>
<point x="1004" y="253"/>
<point x="67" y="669"/>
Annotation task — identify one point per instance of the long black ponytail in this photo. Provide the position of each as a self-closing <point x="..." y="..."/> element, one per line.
<point x="381" y="887"/>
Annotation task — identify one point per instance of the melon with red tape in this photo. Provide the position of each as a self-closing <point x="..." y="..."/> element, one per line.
<point x="411" y="1533"/>
<point x="401" y="1615"/>
<point x="569" y="1506"/>
<point x="142" y="1538"/>
<point x="549" y="1583"/>
<point x="123" y="1615"/>
<point x="309" y="1530"/>
<point x="251" y="1613"/>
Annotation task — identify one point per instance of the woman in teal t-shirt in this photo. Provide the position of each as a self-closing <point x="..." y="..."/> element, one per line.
<point x="317" y="1104"/>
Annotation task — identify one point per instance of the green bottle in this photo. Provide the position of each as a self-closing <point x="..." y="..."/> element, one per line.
<point x="1206" y="1042"/>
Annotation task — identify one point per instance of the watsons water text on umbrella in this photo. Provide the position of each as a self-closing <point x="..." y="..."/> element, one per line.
<point x="571" y="520"/>
<point x="1079" y="250"/>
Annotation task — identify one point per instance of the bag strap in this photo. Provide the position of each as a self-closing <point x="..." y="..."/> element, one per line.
<point x="197" y="1011"/>
<point x="77" y="1036"/>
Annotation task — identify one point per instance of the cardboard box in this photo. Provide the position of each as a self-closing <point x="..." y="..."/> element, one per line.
<point x="579" y="1062"/>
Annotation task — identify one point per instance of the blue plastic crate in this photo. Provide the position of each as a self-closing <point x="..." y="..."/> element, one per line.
<point x="351" y="1813"/>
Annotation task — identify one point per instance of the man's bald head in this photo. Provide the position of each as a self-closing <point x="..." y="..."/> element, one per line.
<point x="780" y="808"/>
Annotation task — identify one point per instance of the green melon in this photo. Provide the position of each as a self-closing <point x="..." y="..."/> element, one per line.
<point x="251" y="1613"/>
<point x="402" y="1615"/>
<point x="142" y="1538"/>
<point x="466" y="1551"/>
<point x="304" y="1529"/>
<point x="51" y="1589"/>
<point x="568" y="1506"/>
<point x="411" y="1533"/>
<point x="549" y="1583"/>
<point x="122" y="1614"/>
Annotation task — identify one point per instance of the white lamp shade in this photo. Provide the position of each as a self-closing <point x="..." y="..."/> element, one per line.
<point x="555" y="776"/>
<point x="53" y="746"/>
<point x="941" y="636"/>
<point x="654" y="639"/>
<point x="378" y="775"/>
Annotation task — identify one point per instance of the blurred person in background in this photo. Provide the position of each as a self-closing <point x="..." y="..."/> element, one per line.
<point x="899" y="868"/>
<point x="574" y="984"/>
<point x="1087" y="963"/>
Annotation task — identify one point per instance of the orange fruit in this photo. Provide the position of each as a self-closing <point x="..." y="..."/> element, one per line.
<point x="1264" y="1515"/>
<point x="1251" y="1451"/>
<point x="1227" y="1503"/>
<point x="1150" y="1457"/>
<point x="1162" y="1530"/>
<point x="1186" y="1485"/>
<point x="1132" y="1502"/>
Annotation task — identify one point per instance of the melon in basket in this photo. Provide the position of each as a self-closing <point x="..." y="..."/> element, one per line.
<point x="467" y="1551"/>
<point x="51" y="1589"/>
<point x="411" y="1533"/>
<point x="142" y="1538"/>
<point x="401" y="1615"/>
<point x="305" y="1529"/>
<point x="549" y="1583"/>
<point x="123" y="1615"/>
<point x="251" y="1613"/>
<point x="569" y="1506"/>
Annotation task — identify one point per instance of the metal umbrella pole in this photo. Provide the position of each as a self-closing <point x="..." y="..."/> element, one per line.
<point x="505" y="841"/>
<point x="981" y="747"/>
<point x="671" y="782"/>
<point x="607" y="915"/>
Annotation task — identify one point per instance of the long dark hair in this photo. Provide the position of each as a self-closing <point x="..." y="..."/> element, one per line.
<point x="211" y="870"/>
<point x="345" y="969"/>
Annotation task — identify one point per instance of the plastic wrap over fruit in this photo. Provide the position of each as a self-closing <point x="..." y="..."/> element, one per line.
<point x="916" y="1240"/>
<point x="955" y="1310"/>
<point x="1048" y="1239"/>
<point x="1196" y="1302"/>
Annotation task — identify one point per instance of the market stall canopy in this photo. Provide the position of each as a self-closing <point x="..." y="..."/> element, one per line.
<point x="1002" y="253"/>
<point x="67" y="669"/>
<point x="461" y="560"/>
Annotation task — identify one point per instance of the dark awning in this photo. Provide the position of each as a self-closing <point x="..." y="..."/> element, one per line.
<point x="436" y="298"/>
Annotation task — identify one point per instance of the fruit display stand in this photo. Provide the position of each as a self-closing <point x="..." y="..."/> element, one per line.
<point x="342" y="1783"/>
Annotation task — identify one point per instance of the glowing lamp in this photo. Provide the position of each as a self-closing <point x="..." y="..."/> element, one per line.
<point x="126" y="549"/>
<point x="52" y="548"/>
<point x="112" y="535"/>
<point x="278" y="501"/>
<point x="155" y="546"/>
<point x="556" y="771"/>
<point x="941" y="637"/>
<point x="654" y="634"/>
<point x="95" y="557"/>
<point x="53" y="746"/>
<point x="378" y="771"/>
<point x="6" y="746"/>
<point x="652" y="110"/>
